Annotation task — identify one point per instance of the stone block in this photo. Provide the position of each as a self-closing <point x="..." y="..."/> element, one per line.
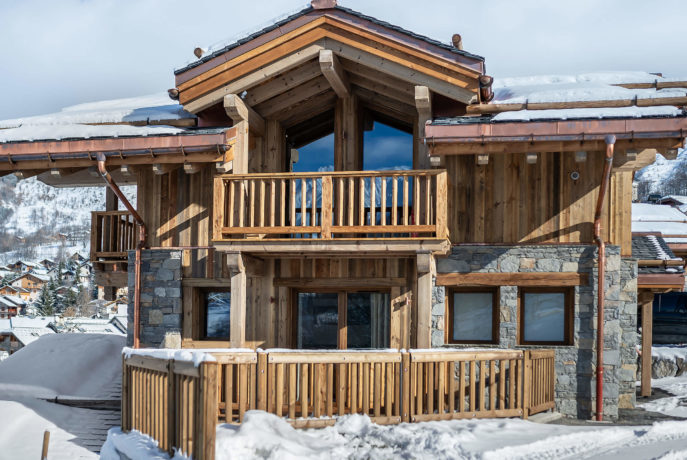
<point x="165" y="275"/>
<point x="548" y="265"/>
<point x="509" y="264"/>
<point x="570" y="267"/>
<point x="452" y="265"/>
<point x="172" y="340"/>
<point x="155" y="317"/>
<point x="173" y="292"/>
<point x="527" y="263"/>
<point x="171" y="264"/>
<point x="160" y="292"/>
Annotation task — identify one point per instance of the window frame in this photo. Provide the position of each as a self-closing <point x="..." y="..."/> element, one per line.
<point x="495" y="315"/>
<point x="342" y="314"/>
<point x="568" y="311"/>
<point x="201" y="314"/>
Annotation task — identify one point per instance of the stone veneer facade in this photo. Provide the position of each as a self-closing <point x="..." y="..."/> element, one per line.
<point x="575" y="364"/>
<point x="161" y="307"/>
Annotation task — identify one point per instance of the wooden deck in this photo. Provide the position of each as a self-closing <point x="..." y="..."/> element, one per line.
<point x="179" y="404"/>
<point x="352" y="205"/>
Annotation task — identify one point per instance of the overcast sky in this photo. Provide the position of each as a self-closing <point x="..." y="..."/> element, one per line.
<point x="58" y="53"/>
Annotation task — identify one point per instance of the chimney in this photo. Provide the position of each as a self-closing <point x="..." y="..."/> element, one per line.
<point x="323" y="4"/>
<point x="457" y="41"/>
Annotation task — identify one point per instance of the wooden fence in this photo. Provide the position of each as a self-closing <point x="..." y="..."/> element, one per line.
<point x="179" y="404"/>
<point x="334" y="204"/>
<point x="113" y="233"/>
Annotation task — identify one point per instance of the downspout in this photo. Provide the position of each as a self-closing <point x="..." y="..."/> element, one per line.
<point x="601" y="290"/>
<point x="139" y="247"/>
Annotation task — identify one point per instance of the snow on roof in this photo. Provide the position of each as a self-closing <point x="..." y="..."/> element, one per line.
<point x="590" y="113"/>
<point x="662" y="228"/>
<point x="30" y="322"/>
<point x="151" y="108"/>
<point x="77" y="365"/>
<point x="76" y="122"/>
<point x="18" y="301"/>
<point x="26" y="335"/>
<point x="607" y="78"/>
<point x="681" y="199"/>
<point x="646" y="212"/>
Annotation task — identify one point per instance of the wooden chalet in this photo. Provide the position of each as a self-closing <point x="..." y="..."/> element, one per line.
<point x="510" y="232"/>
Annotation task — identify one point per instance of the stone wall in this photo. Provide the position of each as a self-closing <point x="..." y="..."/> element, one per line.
<point x="575" y="364"/>
<point x="161" y="307"/>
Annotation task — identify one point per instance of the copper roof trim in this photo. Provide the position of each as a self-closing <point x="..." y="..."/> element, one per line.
<point x="65" y="149"/>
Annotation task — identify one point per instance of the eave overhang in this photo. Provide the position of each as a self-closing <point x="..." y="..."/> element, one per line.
<point x="669" y="281"/>
<point x="556" y="135"/>
<point x="197" y="147"/>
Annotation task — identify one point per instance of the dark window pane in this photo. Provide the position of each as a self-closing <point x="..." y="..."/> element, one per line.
<point x="473" y="316"/>
<point x="318" y="317"/>
<point x="544" y="317"/>
<point x="368" y="320"/>
<point x="217" y="314"/>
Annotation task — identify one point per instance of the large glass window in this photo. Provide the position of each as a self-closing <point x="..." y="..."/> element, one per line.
<point x="472" y="317"/>
<point x="544" y="317"/>
<point x="330" y="320"/>
<point x="367" y="320"/>
<point x="318" y="320"/>
<point x="217" y="314"/>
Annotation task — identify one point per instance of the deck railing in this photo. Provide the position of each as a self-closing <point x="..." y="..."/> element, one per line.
<point x="113" y="234"/>
<point x="180" y="404"/>
<point x="331" y="205"/>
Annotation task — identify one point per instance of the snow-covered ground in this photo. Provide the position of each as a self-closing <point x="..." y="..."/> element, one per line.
<point x="265" y="436"/>
<point x="82" y="366"/>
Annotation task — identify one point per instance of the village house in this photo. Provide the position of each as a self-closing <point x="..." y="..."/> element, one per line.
<point x="31" y="282"/>
<point x="20" y="292"/>
<point x="17" y="332"/>
<point x="505" y="229"/>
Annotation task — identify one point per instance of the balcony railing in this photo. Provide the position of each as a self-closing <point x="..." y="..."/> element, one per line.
<point x="179" y="404"/>
<point x="366" y="204"/>
<point x="113" y="234"/>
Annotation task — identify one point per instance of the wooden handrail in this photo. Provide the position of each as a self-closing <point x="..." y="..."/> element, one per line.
<point x="327" y="205"/>
<point x="179" y="404"/>
<point x="113" y="234"/>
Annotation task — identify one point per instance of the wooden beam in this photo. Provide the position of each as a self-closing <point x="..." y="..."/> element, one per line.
<point x="237" y="269"/>
<point x="255" y="78"/>
<point x="646" y="300"/>
<point x="400" y="71"/>
<point x="239" y="112"/>
<point x="424" y="300"/>
<point x="192" y="168"/>
<point x="423" y="104"/>
<point x="282" y="83"/>
<point x="348" y="136"/>
<point x="163" y="168"/>
<point x="543" y="279"/>
<point x="333" y="72"/>
<point x="288" y="99"/>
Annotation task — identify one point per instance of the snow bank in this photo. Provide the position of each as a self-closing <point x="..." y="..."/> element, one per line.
<point x="663" y="228"/>
<point x="72" y="365"/>
<point x="669" y="352"/>
<point x="25" y="420"/>
<point x="676" y="405"/>
<point x="265" y="436"/>
<point x="134" y="445"/>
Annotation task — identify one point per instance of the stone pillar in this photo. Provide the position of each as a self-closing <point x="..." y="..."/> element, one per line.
<point x="161" y="307"/>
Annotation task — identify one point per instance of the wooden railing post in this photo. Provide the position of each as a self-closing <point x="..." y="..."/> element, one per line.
<point x="527" y="384"/>
<point x="172" y="409"/>
<point x="442" y="205"/>
<point x="327" y="207"/>
<point x="405" y="392"/>
<point x="126" y="397"/>
<point x="220" y="208"/>
<point x="262" y="381"/>
<point x="206" y="412"/>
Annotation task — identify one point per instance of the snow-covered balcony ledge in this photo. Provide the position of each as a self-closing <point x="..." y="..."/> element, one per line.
<point x="179" y="396"/>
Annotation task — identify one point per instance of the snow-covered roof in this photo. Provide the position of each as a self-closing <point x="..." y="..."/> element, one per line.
<point x="26" y="335"/>
<point x="111" y="118"/>
<point x="597" y="86"/>
<point x="646" y="212"/>
<point x="681" y="199"/>
<point x="589" y="113"/>
<point x="661" y="228"/>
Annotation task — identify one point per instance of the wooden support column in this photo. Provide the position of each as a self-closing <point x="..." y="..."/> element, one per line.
<point x="334" y="73"/>
<point x="646" y="300"/>
<point x="237" y="269"/>
<point x="348" y="135"/>
<point x="274" y="157"/>
<point x="111" y="204"/>
<point x="423" y="103"/>
<point x="425" y="269"/>
<point x="246" y="121"/>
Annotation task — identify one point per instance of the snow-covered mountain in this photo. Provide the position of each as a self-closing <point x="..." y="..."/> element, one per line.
<point x="664" y="177"/>
<point x="38" y="221"/>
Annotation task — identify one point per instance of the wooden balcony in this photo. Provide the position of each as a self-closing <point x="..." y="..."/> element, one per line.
<point x="113" y="234"/>
<point x="179" y="404"/>
<point x="331" y="206"/>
